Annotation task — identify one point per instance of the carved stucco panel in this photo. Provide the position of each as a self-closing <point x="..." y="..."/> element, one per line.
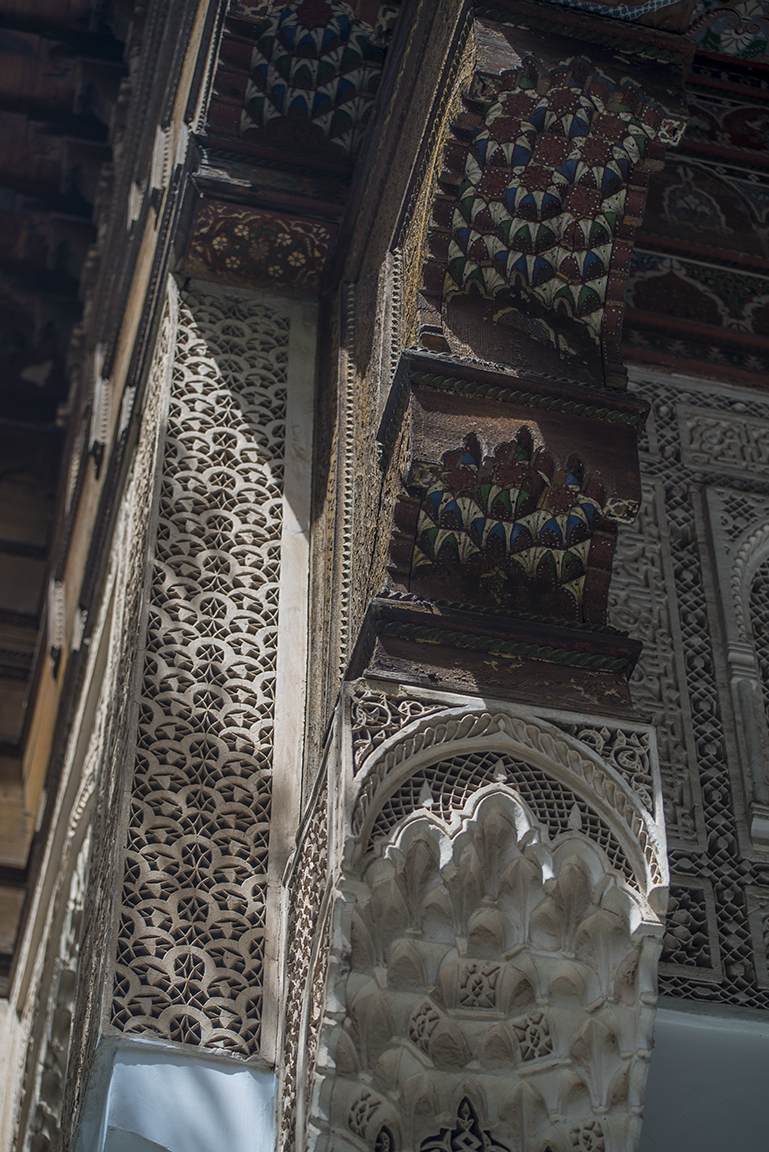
<point x="716" y="442"/>
<point x="111" y="746"/>
<point x="727" y="857"/>
<point x="529" y="740"/>
<point x="192" y="927"/>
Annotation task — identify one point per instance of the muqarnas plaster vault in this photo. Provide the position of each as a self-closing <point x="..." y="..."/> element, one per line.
<point x="483" y="968"/>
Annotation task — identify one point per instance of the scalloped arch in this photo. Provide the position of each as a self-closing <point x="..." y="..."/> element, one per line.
<point x="434" y="738"/>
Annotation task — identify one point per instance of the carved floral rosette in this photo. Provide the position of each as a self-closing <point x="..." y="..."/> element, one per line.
<point x="495" y="927"/>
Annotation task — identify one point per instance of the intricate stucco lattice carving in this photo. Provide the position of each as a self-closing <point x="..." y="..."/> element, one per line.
<point x="112" y="749"/>
<point x="724" y="853"/>
<point x="307" y="887"/>
<point x="738" y="528"/>
<point x="500" y="989"/>
<point x="745" y="593"/>
<point x="445" y="789"/>
<point x="626" y="749"/>
<point x="691" y="934"/>
<point x="758" y="916"/>
<point x="494" y="930"/>
<point x="642" y="601"/>
<point x="190" y="947"/>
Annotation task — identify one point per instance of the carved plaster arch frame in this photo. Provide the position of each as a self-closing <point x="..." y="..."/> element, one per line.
<point x="517" y="733"/>
<point x="523" y="735"/>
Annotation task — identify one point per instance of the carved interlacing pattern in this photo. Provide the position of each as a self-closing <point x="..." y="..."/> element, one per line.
<point x="640" y="603"/>
<point x="306" y="893"/>
<point x="191" y="937"/>
<point x="710" y="440"/>
<point x="112" y="748"/>
<point x="626" y="750"/>
<point x="759" y="619"/>
<point x="495" y="989"/>
<point x="687" y="687"/>
<point x="47" y="1080"/>
<point x="376" y="716"/>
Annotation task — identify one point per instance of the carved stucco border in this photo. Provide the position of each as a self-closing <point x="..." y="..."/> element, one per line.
<point x="736" y="556"/>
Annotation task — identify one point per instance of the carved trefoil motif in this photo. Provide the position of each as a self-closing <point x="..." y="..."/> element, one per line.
<point x="496" y="934"/>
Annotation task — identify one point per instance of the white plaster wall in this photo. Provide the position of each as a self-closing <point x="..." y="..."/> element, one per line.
<point x="708" y="1087"/>
<point x="147" y="1096"/>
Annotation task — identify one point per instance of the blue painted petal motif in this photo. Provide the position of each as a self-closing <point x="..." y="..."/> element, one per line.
<point x="543" y="271"/>
<point x="510" y="198"/>
<point x="593" y="266"/>
<point x="528" y="202"/>
<point x="589" y="510"/>
<point x="572" y="524"/>
<point x="568" y="170"/>
<point x="579" y="127"/>
<point x="551" y="205"/>
<point x="549" y="526"/>
<point x="521" y="266"/>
